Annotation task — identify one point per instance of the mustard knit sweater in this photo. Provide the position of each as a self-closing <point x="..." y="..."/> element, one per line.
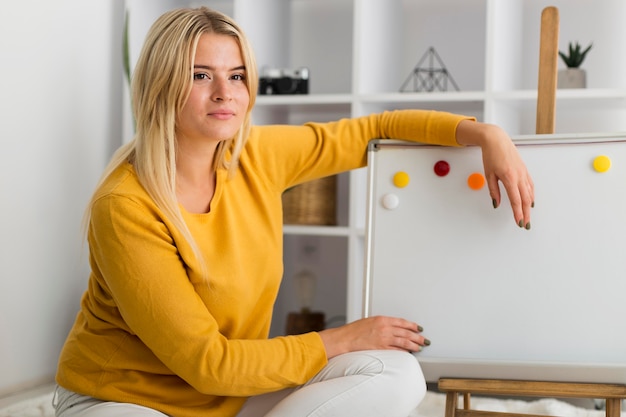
<point x="150" y="331"/>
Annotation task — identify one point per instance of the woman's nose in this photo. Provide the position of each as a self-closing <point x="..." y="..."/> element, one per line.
<point x="221" y="91"/>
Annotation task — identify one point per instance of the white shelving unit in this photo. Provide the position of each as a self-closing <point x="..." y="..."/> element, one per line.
<point x="359" y="53"/>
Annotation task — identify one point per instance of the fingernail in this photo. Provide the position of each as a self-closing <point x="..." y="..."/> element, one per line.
<point x="521" y="223"/>
<point x="532" y="205"/>
<point x="528" y="226"/>
<point x="495" y="203"/>
<point x="420" y="328"/>
<point x="426" y="342"/>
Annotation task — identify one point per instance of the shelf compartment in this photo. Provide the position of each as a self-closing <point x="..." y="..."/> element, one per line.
<point x="577" y="111"/>
<point x="316" y="34"/>
<point x="394" y="36"/>
<point x="514" y="33"/>
<point x="325" y="257"/>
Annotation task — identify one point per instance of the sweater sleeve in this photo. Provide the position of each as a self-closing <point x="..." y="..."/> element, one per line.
<point x="302" y="153"/>
<point x="148" y="296"/>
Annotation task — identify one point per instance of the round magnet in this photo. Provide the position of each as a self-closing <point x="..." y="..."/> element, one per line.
<point x="390" y="201"/>
<point x="441" y="168"/>
<point x="476" y="181"/>
<point x="401" y="179"/>
<point x="602" y="163"/>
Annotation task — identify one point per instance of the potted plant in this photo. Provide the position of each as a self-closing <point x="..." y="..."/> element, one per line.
<point x="573" y="76"/>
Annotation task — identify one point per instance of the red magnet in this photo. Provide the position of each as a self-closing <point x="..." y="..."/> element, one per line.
<point x="442" y="168"/>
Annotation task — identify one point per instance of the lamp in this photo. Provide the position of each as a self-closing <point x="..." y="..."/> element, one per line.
<point x="305" y="320"/>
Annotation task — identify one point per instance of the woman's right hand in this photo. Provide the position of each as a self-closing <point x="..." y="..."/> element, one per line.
<point x="374" y="333"/>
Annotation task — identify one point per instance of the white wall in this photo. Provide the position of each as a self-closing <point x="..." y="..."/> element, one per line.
<point x="60" y="112"/>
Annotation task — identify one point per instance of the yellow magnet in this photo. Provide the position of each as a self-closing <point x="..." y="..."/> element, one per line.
<point x="476" y="181"/>
<point x="401" y="179"/>
<point x="602" y="163"/>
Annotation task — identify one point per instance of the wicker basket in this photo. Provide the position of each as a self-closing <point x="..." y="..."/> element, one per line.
<point x="311" y="203"/>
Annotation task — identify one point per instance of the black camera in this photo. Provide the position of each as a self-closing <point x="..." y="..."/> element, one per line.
<point x="284" y="81"/>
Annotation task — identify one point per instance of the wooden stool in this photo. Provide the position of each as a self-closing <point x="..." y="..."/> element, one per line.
<point x="612" y="393"/>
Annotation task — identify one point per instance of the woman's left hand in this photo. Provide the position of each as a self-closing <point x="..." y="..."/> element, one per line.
<point x="503" y="163"/>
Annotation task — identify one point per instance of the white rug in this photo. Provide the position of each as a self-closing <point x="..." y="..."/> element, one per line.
<point x="433" y="405"/>
<point x="37" y="406"/>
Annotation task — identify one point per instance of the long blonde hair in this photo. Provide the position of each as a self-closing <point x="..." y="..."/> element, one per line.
<point x="160" y="86"/>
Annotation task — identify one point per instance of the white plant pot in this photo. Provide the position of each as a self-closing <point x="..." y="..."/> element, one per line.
<point x="572" y="78"/>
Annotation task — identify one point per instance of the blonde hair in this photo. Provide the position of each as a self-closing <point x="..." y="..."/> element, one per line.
<point x="160" y="86"/>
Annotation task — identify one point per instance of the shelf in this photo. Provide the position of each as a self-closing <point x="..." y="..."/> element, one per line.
<point x="305" y="103"/>
<point x="577" y="111"/>
<point x="303" y="100"/>
<point x="433" y="97"/>
<point x="360" y="53"/>
<point x="470" y="103"/>
<point x="298" y="109"/>
<point x="290" y="229"/>
<point x="564" y="95"/>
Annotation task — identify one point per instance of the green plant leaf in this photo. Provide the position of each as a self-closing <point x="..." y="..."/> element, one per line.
<point x="126" y="49"/>
<point x="575" y="56"/>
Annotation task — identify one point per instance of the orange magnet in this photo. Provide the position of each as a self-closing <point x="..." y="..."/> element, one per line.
<point x="476" y="181"/>
<point x="401" y="179"/>
<point x="602" y="163"/>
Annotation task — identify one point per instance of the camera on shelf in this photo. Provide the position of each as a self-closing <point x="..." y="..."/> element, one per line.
<point x="284" y="81"/>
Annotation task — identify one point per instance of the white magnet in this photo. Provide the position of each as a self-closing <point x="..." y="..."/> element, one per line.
<point x="390" y="201"/>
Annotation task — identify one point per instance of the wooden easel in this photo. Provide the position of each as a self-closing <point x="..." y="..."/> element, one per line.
<point x="612" y="393"/>
<point x="548" y="69"/>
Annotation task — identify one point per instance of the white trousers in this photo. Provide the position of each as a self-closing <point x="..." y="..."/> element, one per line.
<point x="366" y="384"/>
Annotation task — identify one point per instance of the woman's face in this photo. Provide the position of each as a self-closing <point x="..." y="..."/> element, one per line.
<point x="219" y="98"/>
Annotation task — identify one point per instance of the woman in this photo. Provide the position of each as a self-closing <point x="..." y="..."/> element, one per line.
<point x="185" y="238"/>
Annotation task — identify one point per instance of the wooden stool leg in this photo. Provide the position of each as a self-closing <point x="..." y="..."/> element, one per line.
<point x="613" y="407"/>
<point x="451" y="403"/>
<point x="466" y="401"/>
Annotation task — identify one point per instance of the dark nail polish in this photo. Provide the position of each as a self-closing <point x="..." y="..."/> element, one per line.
<point x="420" y="328"/>
<point x="532" y="205"/>
<point x="528" y="226"/>
<point x="426" y="342"/>
<point x="495" y="203"/>
<point x="521" y="223"/>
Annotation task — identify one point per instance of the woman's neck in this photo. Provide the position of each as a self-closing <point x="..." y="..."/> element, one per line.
<point x="196" y="177"/>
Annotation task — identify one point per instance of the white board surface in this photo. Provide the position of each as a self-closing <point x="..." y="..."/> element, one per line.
<point x="498" y="301"/>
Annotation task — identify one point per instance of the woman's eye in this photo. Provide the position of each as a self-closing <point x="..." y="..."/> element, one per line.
<point x="239" y="77"/>
<point x="200" y="76"/>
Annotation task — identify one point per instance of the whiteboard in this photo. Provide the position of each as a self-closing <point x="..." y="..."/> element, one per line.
<point x="496" y="300"/>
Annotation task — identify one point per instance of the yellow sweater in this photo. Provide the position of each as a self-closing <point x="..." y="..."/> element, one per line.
<point x="151" y="332"/>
